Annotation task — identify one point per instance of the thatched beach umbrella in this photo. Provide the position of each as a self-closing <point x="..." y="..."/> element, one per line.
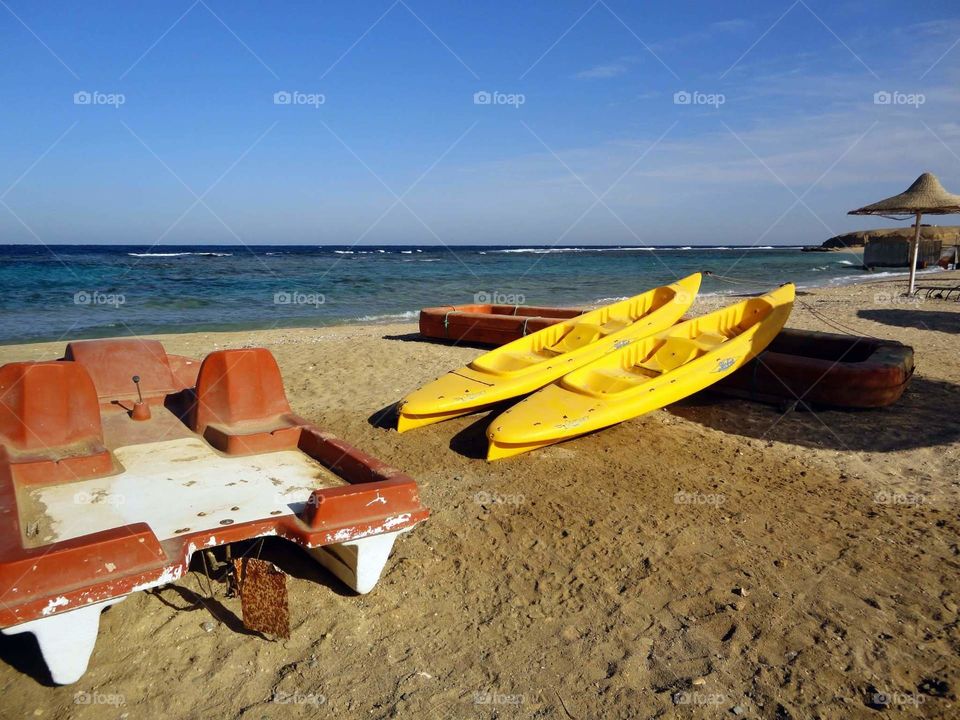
<point x="925" y="196"/>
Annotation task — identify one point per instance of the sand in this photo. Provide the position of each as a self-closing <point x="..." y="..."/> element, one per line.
<point x="715" y="559"/>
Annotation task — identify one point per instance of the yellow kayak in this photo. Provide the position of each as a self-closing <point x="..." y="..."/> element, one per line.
<point x="529" y="363"/>
<point x="645" y="375"/>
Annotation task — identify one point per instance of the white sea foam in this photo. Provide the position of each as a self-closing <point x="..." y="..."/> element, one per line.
<point x="158" y="254"/>
<point x="633" y="248"/>
<point x="541" y="251"/>
<point x="872" y="276"/>
<point x="179" y="254"/>
<point x="390" y="317"/>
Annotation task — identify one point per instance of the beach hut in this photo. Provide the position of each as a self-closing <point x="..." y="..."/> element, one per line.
<point x="925" y="196"/>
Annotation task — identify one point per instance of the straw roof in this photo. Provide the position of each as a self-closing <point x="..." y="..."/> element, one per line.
<point x="926" y="196"/>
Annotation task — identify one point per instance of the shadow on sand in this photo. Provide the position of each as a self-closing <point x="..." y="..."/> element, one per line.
<point x="385" y="418"/>
<point x="471" y="442"/>
<point x="926" y="415"/>
<point x="940" y="320"/>
<point x="22" y="653"/>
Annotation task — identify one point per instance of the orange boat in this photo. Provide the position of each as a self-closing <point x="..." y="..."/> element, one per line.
<point x="119" y="462"/>
<point x="490" y="324"/>
<point x="824" y="370"/>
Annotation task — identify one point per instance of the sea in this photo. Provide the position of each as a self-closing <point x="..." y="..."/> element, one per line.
<point x="83" y="291"/>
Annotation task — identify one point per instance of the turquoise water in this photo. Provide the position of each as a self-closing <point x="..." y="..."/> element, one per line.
<point x="65" y="292"/>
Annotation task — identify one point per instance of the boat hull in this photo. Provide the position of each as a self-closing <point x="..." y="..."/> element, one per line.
<point x="490" y="324"/>
<point x="824" y="370"/>
<point x="643" y="376"/>
<point x="527" y="364"/>
<point x="101" y="501"/>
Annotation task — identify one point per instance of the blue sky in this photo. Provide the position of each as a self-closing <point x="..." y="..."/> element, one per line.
<point x="585" y="140"/>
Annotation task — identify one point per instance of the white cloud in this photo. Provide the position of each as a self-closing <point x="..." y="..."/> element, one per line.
<point x="697" y="37"/>
<point x="601" y="71"/>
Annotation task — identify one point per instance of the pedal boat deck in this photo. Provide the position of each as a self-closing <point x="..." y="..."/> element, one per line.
<point x="96" y="505"/>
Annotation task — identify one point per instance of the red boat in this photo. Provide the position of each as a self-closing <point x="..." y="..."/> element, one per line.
<point x="825" y="370"/>
<point x="118" y="462"/>
<point x="489" y="324"/>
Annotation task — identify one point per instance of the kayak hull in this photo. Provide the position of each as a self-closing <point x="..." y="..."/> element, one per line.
<point x="522" y="366"/>
<point x="645" y="375"/>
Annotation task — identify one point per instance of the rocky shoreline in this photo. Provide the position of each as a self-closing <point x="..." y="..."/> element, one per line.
<point x="946" y="234"/>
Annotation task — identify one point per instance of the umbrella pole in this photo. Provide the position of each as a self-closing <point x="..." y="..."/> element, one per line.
<point x="914" y="255"/>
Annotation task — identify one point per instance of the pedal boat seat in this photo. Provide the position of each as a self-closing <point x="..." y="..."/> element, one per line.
<point x="240" y="404"/>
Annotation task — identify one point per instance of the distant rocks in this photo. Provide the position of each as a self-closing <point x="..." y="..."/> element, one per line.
<point x="947" y="234"/>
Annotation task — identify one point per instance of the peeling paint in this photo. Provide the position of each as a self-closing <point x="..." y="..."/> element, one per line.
<point x="352" y="533"/>
<point x="169" y="575"/>
<point x="378" y="499"/>
<point x="391" y="523"/>
<point x="54" y="604"/>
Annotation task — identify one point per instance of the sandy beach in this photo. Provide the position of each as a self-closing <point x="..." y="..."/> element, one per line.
<point x="717" y="558"/>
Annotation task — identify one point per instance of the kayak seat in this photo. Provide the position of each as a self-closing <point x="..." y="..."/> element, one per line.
<point x="710" y="340"/>
<point x="614" y="325"/>
<point x="580" y="336"/>
<point x="614" y="381"/>
<point x="675" y="352"/>
<point x="678" y="350"/>
<point x="509" y="362"/>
